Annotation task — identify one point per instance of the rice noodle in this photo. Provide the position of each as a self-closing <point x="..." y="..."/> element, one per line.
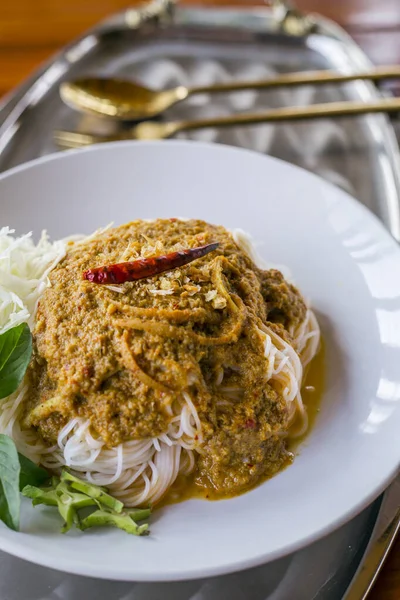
<point x="139" y="471"/>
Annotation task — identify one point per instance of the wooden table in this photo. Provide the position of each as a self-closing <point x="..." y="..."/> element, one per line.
<point x="31" y="31"/>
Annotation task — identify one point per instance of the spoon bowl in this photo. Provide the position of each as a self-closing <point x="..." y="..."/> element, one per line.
<point x="119" y="99"/>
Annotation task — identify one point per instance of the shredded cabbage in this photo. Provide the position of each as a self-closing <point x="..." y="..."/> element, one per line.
<point x="24" y="269"/>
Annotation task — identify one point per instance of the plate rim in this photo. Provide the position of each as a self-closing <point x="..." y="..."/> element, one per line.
<point x="100" y="147"/>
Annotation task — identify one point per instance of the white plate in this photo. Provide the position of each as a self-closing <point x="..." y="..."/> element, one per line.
<point x="342" y="259"/>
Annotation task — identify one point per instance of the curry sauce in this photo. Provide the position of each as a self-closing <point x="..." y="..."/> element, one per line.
<point x="127" y="358"/>
<point x="187" y="487"/>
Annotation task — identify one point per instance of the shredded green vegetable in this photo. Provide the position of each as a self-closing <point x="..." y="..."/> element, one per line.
<point x="99" y="518"/>
<point x="94" y="491"/>
<point x="73" y="497"/>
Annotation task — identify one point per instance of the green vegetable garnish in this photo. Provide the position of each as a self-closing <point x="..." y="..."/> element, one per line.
<point x="15" y="354"/>
<point x="41" y="496"/>
<point x="69" y="503"/>
<point x="92" y="490"/>
<point x="123" y="521"/>
<point x="138" y="514"/>
<point x="10" y="500"/>
<point x="70" y="495"/>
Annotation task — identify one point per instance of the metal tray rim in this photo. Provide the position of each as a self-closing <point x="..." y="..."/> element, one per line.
<point x="14" y="104"/>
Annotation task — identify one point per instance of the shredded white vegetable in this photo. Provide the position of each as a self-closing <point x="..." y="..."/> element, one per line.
<point x="24" y="269"/>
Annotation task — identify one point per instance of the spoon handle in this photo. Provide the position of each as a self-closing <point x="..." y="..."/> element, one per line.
<point x="315" y="111"/>
<point x="301" y="78"/>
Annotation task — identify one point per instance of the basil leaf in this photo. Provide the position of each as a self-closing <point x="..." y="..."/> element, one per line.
<point x="10" y="501"/>
<point x="30" y="473"/>
<point x="15" y="354"/>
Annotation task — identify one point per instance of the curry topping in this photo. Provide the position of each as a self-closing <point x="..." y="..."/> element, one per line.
<point x="124" y="356"/>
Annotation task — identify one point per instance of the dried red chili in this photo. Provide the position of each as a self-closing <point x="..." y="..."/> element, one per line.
<point x="146" y="267"/>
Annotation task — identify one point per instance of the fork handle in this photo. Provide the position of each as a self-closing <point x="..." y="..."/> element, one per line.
<point x="293" y="113"/>
<point x="150" y="130"/>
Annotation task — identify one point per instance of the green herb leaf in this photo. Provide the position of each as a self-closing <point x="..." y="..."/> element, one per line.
<point x="15" y="354"/>
<point x="10" y="500"/>
<point x="31" y="474"/>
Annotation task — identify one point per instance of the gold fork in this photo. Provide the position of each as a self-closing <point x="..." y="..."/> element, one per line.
<point x="149" y="130"/>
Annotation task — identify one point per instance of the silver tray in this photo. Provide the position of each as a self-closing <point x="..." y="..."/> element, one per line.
<point x="199" y="46"/>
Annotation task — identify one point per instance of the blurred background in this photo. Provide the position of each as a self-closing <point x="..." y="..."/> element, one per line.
<point x="32" y="30"/>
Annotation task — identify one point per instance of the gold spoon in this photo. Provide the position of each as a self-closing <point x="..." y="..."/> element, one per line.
<point x="126" y="100"/>
<point x="150" y="130"/>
